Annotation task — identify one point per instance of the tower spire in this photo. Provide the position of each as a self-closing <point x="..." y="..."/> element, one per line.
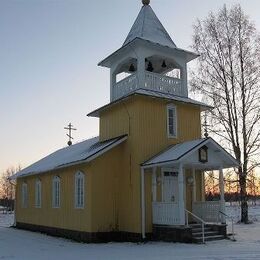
<point x="148" y="27"/>
<point x="146" y="2"/>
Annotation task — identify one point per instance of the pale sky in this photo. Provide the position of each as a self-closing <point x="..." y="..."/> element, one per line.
<point x="49" y="50"/>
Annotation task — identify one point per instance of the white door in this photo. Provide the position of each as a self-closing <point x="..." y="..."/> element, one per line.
<point x="170" y="186"/>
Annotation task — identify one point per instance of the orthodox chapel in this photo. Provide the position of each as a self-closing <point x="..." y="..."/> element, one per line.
<point x="142" y="178"/>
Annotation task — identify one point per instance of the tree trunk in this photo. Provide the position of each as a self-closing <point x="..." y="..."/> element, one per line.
<point x="243" y="197"/>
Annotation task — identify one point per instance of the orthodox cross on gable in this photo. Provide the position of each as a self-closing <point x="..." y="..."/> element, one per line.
<point x="70" y="128"/>
<point x="205" y="125"/>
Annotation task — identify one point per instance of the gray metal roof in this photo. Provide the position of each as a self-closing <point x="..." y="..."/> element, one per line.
<point x="108" y="61"/>
<point x="183" y="152"/>
<point x="147" y="26"/>
<point x="152" y="93"/>
<point x="174" y="152"/>
<point x="78" y="153"/>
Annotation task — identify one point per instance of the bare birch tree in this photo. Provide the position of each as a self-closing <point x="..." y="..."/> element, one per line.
<point x="7" y="189"/>
<point x="228" y="76"/>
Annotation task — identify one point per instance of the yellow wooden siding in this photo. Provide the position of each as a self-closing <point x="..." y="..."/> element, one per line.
<point x="66" y="216"/>
<point x="106" y="179"/>
<point x="150" y="129"/>
<point x="144" y="119"/>
<point x="113" y="180"/>
<point x="116" y="121"/>
<point x="106" y="171"/>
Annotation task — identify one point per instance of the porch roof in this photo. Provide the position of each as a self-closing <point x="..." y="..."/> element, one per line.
<point x="187" y="154"/>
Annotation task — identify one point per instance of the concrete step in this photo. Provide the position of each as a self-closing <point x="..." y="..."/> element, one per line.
<point x="206" y="234"/>
<point x="208" y="238"/>
<point x="197" y="230"/>
<point x="209" y="233"/>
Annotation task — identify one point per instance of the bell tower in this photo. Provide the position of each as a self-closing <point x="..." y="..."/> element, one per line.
<point x="148" y="60"/>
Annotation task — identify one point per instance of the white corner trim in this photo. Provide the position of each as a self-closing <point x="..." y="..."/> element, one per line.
<point x="142" y="204"/>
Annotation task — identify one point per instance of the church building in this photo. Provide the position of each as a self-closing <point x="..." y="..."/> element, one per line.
<point x="142" y="178"/>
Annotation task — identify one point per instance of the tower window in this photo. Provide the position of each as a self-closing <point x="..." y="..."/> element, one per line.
<point x="171" y="121"/>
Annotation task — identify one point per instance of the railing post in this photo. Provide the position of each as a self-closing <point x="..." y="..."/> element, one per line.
<point x="233" y="235"/>
<point x="203" y="233"/>
<point x="181" y="195"/>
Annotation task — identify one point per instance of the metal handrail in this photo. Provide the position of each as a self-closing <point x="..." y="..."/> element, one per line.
<point x="232" y="224"/>
<point x="203" y="223"/>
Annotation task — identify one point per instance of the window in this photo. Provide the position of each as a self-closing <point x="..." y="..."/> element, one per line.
<point x="56" y="192"/>
<point x="171" y="121"/>
<point x="24" y="195"/>
<point x="38" y="193"/>
<point x="79" y="190"/>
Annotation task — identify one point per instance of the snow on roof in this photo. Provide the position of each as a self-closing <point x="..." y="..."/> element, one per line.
<point x="152" y="93"/>
<point x="81" y="152"/>
<point x="174" y="153"/>
<point x="108" y="61"/>
<point x="147" y="26"/>
<point x="182" y="151"/>
<point x="159" y="94"/>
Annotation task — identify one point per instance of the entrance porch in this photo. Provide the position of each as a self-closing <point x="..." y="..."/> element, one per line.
<point x="167" y="206"/>
<point x="178" y="189"/>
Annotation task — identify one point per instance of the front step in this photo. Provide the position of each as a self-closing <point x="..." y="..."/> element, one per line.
<point x="211" y="233"/>
<point x="209" y="238"/>
<point x="188" y="234"/>
<point x="206" y="234"/>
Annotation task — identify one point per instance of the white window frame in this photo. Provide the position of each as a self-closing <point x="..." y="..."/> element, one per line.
<point x="24" y="195"/>
<point x="79" y="191"/>
<point x="175" y="126"/>
<point x="56" y="186"/>
<point x="38" y="193"/>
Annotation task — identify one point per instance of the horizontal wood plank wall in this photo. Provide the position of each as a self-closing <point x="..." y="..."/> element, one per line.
<point x="66" y="217"/>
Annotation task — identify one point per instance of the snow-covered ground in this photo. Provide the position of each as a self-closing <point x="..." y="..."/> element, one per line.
<point x="19" y="244"/>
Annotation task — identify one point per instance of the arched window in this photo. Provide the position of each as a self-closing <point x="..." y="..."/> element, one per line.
<point x="24" y="195"/>
<point x="38" y="193"/>
<point x="79" y="190"/>
<point x="56" y="192"/>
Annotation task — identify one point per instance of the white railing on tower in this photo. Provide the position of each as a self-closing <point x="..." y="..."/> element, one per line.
<point x="207" y="210"/>
<point x="163" y="83"/>
<point x="166" y="213"/>
<point x="153" y="81"/>
<point x="125" y="86"/>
